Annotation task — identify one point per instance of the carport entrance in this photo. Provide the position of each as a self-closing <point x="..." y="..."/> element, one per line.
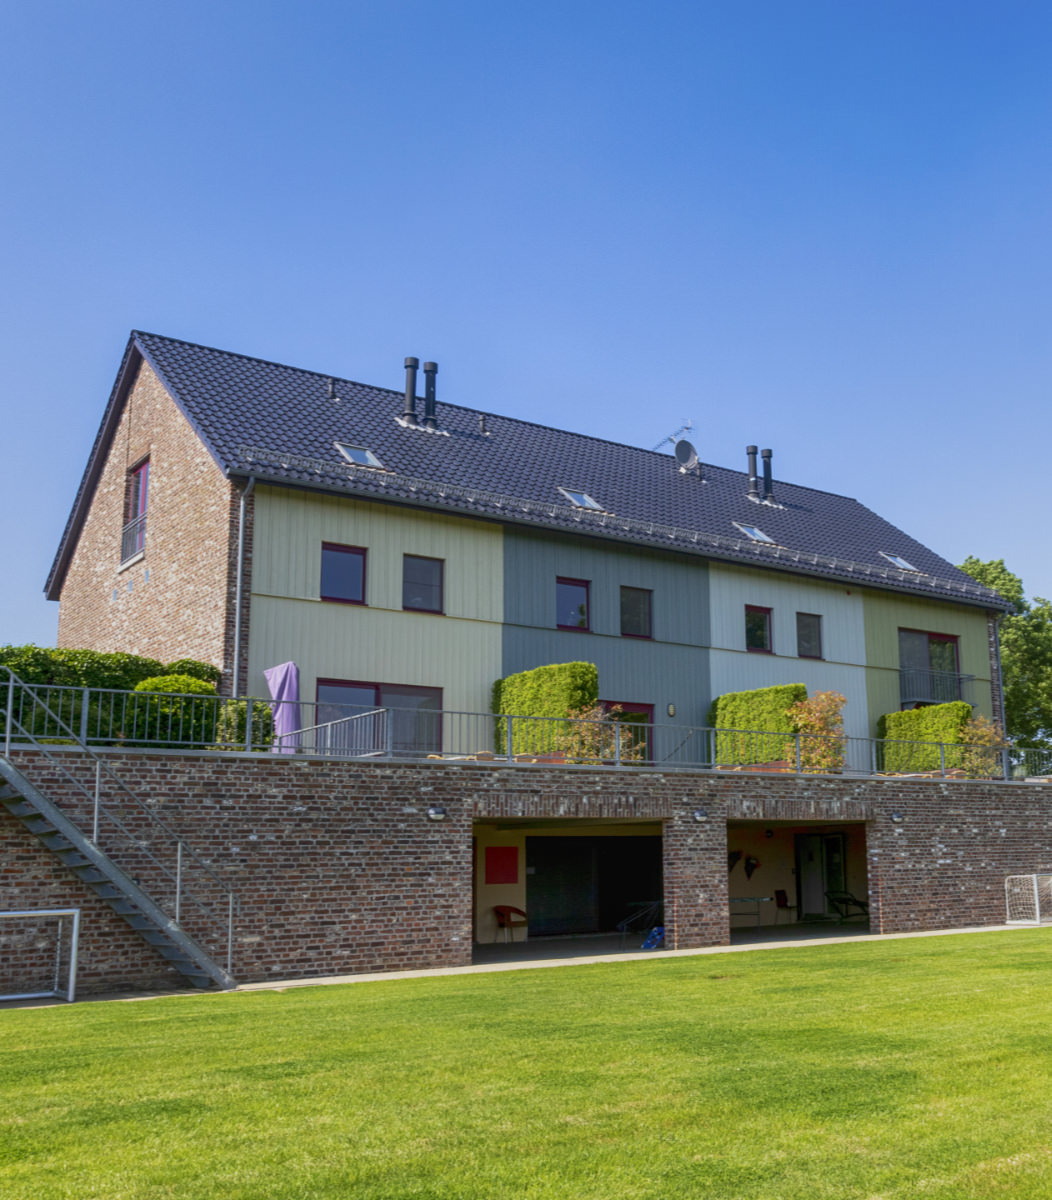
<point x="573" y="878"/>
<point x="784" y="873"/>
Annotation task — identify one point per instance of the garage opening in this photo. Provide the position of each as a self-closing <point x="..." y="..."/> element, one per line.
<point x="564" y="883"/>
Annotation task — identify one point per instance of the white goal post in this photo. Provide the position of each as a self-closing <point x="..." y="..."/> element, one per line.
<point x="48" y="942"/>
<point x="1028" y="899"/>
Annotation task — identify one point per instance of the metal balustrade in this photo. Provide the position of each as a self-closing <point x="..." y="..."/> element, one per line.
<point x="100" y="717"/>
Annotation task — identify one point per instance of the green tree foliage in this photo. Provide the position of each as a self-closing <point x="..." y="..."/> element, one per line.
<point x="1026" y="655"/>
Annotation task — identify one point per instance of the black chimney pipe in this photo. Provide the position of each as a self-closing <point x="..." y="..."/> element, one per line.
<point x="430" y="371"/>
<point x="754" y="493"/>
<point x="409" y="410"/>
<point x="768" y="483"/>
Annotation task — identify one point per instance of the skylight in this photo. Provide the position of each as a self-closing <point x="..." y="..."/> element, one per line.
<point x="581" y="499"/>
<point x="359" y="455"/>
<point x="757" y="535"/>
<point x="897" y="560"/>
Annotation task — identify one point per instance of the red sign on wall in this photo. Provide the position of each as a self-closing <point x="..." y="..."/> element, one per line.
<point x="502" y="864"/>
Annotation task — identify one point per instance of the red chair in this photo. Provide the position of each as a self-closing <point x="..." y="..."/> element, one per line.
<point x="507" y="915"/>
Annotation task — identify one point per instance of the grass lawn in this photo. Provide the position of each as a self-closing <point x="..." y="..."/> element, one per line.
<point x="876" y="1070"/>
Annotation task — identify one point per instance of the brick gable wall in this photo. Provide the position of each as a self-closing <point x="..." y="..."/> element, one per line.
<point x="176" y="601"/>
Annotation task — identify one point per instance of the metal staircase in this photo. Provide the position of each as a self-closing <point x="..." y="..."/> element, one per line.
<point x="132" y="832"/>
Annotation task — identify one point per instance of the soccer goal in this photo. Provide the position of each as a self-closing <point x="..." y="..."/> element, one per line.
<point x="38" y="953"/>
<point x="1028" y="899"/>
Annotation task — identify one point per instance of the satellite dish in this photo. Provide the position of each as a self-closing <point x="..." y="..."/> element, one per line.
<point x="686" y="455"/>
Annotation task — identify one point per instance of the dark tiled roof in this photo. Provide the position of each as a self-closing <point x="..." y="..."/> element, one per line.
<point x="280" y="424"/>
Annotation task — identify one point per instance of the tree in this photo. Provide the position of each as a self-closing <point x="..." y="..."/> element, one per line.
<point x="1026" y="655"/>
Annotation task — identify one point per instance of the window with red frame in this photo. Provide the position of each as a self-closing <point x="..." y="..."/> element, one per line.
<point x="342" y="573"/>
<point x="133" y="535"/>
<point x="758" y="630"/>
<point x="571" y="604"/>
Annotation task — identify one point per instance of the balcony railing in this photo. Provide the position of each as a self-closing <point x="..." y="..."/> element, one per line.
<point x="933" y="687"/>
<point x="108" y="717"/>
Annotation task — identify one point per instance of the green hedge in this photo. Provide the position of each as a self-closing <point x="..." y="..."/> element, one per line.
<point x="761" y="713"/>
<point x="550" y="691"/>
<point x="95" y="669"/>
<point x="934" y="723"/>
<point x="182" y="720"/>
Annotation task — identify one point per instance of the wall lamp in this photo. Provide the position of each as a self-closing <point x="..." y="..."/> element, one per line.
<point x="700" y="814"/>
<point x="436" y="813"/>
<point x="897" y="818"/>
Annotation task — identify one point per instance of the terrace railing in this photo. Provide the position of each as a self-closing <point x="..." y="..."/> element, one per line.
<point x="99" y="717"/>
<point x="933" y="687"/>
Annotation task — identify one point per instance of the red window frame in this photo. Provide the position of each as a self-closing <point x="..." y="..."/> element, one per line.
<point x="563" y="581"/>
<point x="751" y="609"/>
<point x="337" y="548"/>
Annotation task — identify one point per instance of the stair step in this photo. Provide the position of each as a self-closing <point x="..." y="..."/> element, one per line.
<point x="22" y="809"/>
<point x="93" y="876"/>
<point x="38" y="825"/>
<point x="7" y="792"/>
<point x="72" y="857"/>
<point x="55" y="841"/>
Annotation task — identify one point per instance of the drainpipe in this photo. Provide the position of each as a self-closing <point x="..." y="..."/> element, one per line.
<point x="240" y="583"/>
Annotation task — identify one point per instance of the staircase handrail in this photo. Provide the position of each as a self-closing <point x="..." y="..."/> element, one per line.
<point x="12" y="725"/>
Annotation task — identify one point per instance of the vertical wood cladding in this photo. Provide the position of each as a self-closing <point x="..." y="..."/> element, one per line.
<point x="338" y="869"/>
<point x="175" y="601"/>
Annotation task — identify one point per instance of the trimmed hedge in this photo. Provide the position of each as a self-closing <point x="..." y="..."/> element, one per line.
<point x="231" y="729"/>
<point x="943" y="723"/>
<point x="549" y="691"/>
<point x="760" y="711"/>
<point x="64" y="667"/>
<point x="180" y="721"/>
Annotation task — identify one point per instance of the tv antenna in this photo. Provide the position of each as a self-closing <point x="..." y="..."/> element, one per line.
<point x="672" y="437"/>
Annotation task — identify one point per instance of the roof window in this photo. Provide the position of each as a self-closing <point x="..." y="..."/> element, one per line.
<point x="897" y="560"/>
<point x="359" y="455"/>
<point x="757" y="535"/>
<point x="581" y="499"/>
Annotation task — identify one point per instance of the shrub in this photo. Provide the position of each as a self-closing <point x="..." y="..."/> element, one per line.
<point x="910" y="738"/>
<point x="763" y="711"/>
<point x="821" y="722"/>
<point x="592" y="735"/>
<point x="182" y="720"/>
<point x="231" y="732"/>
<point x="550" y="691"/>
<point x="981" y="752"/>
<point x="198" y="670"/>
<point x="64" y="667"/>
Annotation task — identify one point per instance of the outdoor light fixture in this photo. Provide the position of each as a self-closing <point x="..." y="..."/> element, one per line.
<point x="897" y="818"/>
<point x="700" y="815"/>
<point x="671" y="710"/>
<point x="436" y="813"/>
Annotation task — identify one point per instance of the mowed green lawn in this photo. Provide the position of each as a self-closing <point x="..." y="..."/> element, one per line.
<point x="875" y="1070"/>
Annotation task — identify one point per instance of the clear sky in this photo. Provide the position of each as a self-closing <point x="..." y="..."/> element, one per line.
<point x="817" y="226"/>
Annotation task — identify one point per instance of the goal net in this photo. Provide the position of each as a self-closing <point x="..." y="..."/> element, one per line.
<point x="38" y="953"/>
<point x="1028" y="899"/>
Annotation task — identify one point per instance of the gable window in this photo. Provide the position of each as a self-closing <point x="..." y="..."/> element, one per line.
<point x="348" y="720"/>
<point x="808" y="635"/>
<point x="422" y="583"/>
<point x="342" y="573"/>
<point x="756" y="535"/>
<point x="928" y="668"/>
<point x="133" y="536"/>
<point x="636" y="612"/>
<point x="897" y="560"/>
<point x="571" y="604"/>
<point x="758" y="629"/>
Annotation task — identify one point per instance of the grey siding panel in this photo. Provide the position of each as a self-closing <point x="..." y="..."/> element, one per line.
<point x="670" y="669"/>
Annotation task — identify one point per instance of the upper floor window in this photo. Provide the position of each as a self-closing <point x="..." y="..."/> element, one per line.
<point x="636" y="612"/>
<point x="133" y="537"/>
<point x="361" y="456"/>
<point x="581" y="499"/>
<point x="808" y="635"/>
<point x="422" y="583"/>
<point x="342" y="573"/>
<point x="897" y="560"/>
<point x="928" y="667"/>
<point x="571" y="604"/>
<point x="758" y="629"/>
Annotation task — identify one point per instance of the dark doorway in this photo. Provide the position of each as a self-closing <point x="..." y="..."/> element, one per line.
<point x="589" y="884"/>
<point x="820" y="868"/>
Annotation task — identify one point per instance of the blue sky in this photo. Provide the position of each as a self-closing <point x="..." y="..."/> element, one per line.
<point x="820" y="227"/>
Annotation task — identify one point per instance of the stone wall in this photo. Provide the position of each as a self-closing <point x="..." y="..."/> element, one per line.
<point x="338" y="869"/>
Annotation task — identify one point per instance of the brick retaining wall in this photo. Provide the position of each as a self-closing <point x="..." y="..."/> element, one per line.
<point x="338" y="870"/>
